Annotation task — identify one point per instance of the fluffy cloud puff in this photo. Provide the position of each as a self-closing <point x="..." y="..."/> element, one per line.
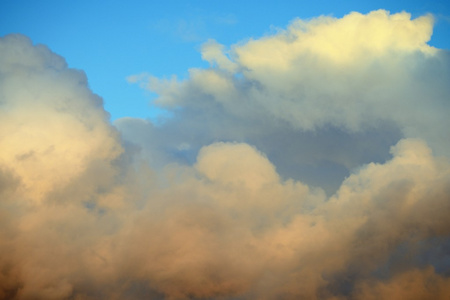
<point x="352" y="73"/>
<point x="355" y="85"/>
<point x="203" y="206"/>
<point x="37" y="86"/>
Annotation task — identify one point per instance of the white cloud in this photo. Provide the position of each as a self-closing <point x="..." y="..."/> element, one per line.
<point x="41" y="100"/>
<point x="213" y="53"/>
<point x="353" y="73"/>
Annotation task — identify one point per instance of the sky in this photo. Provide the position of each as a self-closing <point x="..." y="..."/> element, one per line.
<point x="224" y="150"/>
<point x="111" y="42"/>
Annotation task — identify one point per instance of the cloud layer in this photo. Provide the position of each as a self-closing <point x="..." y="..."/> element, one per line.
<point x="310" y="164"/>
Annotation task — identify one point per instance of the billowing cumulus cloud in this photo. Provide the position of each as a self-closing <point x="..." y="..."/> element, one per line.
<point x="309" y="164"/>
<point x="360" y="80"/>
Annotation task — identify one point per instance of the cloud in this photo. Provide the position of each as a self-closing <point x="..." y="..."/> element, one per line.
<point x="351" y="73"/>
<point x="213" y="53"/>
<point x="322" y="177"/>
<point x="45" y="154"/>
<point x="235" y="164"/>
<point x="416" y="284"/>
<point x="194" y="27"/>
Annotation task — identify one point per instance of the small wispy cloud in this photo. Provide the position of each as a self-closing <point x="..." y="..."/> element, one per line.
<point x="194" y="27"/>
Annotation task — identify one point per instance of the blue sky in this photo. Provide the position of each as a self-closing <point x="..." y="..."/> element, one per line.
<point x="112" y="40"/>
